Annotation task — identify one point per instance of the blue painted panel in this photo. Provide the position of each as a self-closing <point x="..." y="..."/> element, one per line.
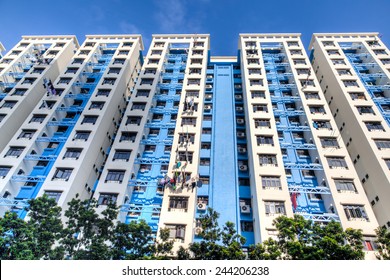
<point x="25" y="193"/>
<point x="224" y="182"/>
<point x="204" y="170"/>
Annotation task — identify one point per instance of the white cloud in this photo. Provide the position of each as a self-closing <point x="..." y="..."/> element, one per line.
<point x="170" y="15"/>
<point x="129" y="28"/>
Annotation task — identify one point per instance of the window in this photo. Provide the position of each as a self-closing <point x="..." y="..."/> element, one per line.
<point x="327" y="142"/>
<point x="387" y="161"/>
<point x="186" y="138"/>
<point x="64" y="80"/>
<point x="185" y="156"/>
<point x="103" y="92"/>
<point x="4" y="170"/>
<point x="343" y="72"/>
<point x="188" y="121"/>
<point x="153" y="61"/>
<point x="143" y="93"/>
<point x="269" y="182"/>
<point x="369" y="243"/>
<point x="81" y="135"/>
<point x="62" y="174"/>
<point x="178" y="202"/>
<point x="328" y="44"/>
<point x="193" y="82"/>
<point x="354" y="212"/>
<point x="14" y="151"/>
<point x="253" y="61"/>
<point x="337" y="162"/>
<point x="274" y="207"/>
<point x="365" y="110"/>
<point x="127" y="136"/>
<point x="264" y="140"/>
<point x="133" y="120"/>
<point x="262" y="123"/>
<point x="115" y="176"/>
<point x="247" y="226"/>
<point x="2" y="116"/>
<point x="196" y="61"/>
<point x="258" y="94"/>
<point x="72" y="153"/>
<point x="150" y="71"/>
<point x="119" y="61"/>
<point x="28" y="81"/>
<point x="338" y="62"/>
<point x="254" y="71"/>
<point x="206" y="130"/>
<point x="260" y="108"/>
<point x="109" y="81"/>
<point x="343" y="185"/>
<point x="97" y="105"/>
<point x="205" y="146"/>
<point x="123" y="155"/>
<point x="299" y="62"/>
<point x="380" y="52"/>
<point x="27" y="133"/>
<point x="374" y="126"/>
<point x="71" y="70"/>
<point x="46" y="104"/>
<point x="107" y="198"/>
<point x="38" y="118"/>
<point x="357" y="95"/>
<point x="138" y="106"/>
<point x="317" y="109"/>
<point x="382" y="143"/>
<point x="296" y="52"/>
<point x="268" y="159"/>
<point x="147" y="81"/>
<point x="114" y="70"/>
<point x="204" y="162"/>
<point x="385" y="61"/>
<point x="192" y="93"/>
<point x="8" y="104"/>
<point x="257" y="82"/>
<point x="53" y="195"/>
<point x="89" y="119"/>
<point x="350" y="83"/>
<point x="322" y="124"/>
<point x="304" y="71"/>
<point x="19" y="91"/>
<point x="176" y="231"/>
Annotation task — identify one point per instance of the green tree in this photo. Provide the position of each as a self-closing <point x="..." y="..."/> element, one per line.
<point x="383" y="243"/>
<point x="132" y="241"/>
<point x="163" y="247"/>
<point x="17" y="240"/>
<point x="217" y="243"/>
<point x="268" y="250"/>
<point x="45" y="220"/>
<point x="87" y="234"/>
<point x="300" y="239"/>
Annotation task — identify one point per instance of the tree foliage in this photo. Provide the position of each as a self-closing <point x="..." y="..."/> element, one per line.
<point x="383" y="243"/>
<point x="300" y="239"/>
<point x="217" y="243"/>
<point x="90" y="236"/>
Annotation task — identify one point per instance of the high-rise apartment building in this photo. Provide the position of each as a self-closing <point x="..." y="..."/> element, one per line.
<point x="60" y="147"/>
<point x="168" y="135"/>
<point x="26" y="75"/>
<point x="354" y="71"/>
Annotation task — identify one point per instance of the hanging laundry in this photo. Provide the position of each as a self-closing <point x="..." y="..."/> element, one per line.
<point x="294" y="202"/>
<point x="315" y="125"/>
<point x="178" y="164"/>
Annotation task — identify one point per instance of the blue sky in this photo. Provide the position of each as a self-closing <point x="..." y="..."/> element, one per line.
<point x="223" y="19"/>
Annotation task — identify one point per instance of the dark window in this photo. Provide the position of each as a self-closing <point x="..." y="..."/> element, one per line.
<point x="62" y="174"/>
<point x="81" y="135"/>
<point x="122" y="155"/>
<point x="178" y="202"/>
<point x="115" y="176"/>
<point x="73" y="153"/>
<point x="107" y="198"/>
<point x="14" y="151"/>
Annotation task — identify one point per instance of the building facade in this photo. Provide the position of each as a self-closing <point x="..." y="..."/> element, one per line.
<point x="26" y="75"/>
<point x="167" y="136"/>
<point x="354" y="70"/>
<point x="60" y="147"/>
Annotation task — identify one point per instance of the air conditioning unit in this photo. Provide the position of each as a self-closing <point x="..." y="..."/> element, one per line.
<point x="198" y="230"/>
<point x="242" y="150"/>
<point x="207" y="107"/>
<point x="201" y="206"/>
<point x="245" y="209"/>
<point x="240" y="121"/>
<point x="238" y="96"/>
<point x="243" y="167"/>
<point x="241" y="134"/>
<point x="239" y="109"/>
